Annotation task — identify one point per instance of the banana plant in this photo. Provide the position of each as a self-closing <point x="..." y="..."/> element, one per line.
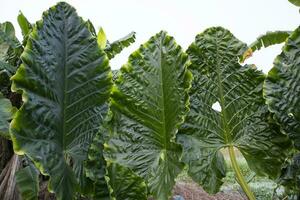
<point x="243" y="123"/>
<point x="65" y="80"/>
<point x="148" y="103"/>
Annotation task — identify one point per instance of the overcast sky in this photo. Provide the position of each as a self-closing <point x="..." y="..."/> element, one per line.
<point x="183" y="19"/>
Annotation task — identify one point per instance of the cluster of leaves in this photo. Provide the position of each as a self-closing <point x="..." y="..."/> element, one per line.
<point x="127" y="135"/>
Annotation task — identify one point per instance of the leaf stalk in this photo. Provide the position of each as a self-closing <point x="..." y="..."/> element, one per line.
<point x="239" y="175"/>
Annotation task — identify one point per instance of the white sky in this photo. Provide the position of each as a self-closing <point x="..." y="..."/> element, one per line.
<point x="183" y="19"/>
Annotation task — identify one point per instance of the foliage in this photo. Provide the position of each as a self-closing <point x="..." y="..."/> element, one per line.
<point x="28" y="182"/>
<point x="148" y="104"/>
<point x="295" y="2"/>
<point x="6" y="114"/>
<point x="266" y="40"/>
<point x="66" y="81"/>
<point x="243" y="121"/>
<point x="282" y="85"/>
<point x="159" y="120"/>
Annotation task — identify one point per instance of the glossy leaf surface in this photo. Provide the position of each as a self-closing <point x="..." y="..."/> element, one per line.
<point x="282" y="88"/>
<point x="242" y="121"/>
<point x="66" y="81"/>
<point x="148" y="104"/>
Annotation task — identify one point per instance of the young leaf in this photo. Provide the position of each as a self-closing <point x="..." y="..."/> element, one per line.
<point x="27" y="180"/>
<point x="66" y="81"/>
<point x="282" y="85"/>
<point x="112" y="49"/>
<point x="243" y="121"/>
<point x="24" y="24"/>
<point x="268" y="39"/>
<point x="148" y="104"/>
<point x="101" y="38"/>
<point x="6" y="114"/>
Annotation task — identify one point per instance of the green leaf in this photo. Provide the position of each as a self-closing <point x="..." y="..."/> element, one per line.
<point x="66" y="81"/>
<point x="266" y="40"/>
<point x="101" y="38"/>
<point x="7" y="39"/>
<point x="24" y="24"/>
<point x="125" y="184"/>
<point x="27" y="180"/>
<point x="290" y="177"/>
<point x="95" y="167"/>
<point x="243" y="122"/>
<point x="111" y="181"/>
<point x="295" y="2"/>
<point x="148" y="104"/>
<point x="115" y="74"/>
<point x="91" y="28"/>
<point x="282" y="85"/>
<point x="6" y="114"/>
<point x="117" y="46"/>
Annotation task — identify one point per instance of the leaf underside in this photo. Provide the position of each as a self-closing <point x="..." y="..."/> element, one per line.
<point x="65" y="80"/>
<point x="148" y="103"/>
<point x="243" y="120"/>
<point x="282" y="85"/>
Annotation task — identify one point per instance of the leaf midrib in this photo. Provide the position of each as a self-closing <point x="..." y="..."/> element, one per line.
<point x="64" y="99"/>
<point x="221" y="94"/>
<point x="163" y="94"/>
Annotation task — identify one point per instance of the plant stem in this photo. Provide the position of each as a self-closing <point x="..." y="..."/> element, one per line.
<point x="239" y="175"/>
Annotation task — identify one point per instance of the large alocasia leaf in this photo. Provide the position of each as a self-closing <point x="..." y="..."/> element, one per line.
<point x="266" y="40"/>
<point x="243" y="121"/>
<point x="148" y="104"/>
<point x="66" y="80"/>
<point x="6" y="115"/>
<point x="282" y="88"/>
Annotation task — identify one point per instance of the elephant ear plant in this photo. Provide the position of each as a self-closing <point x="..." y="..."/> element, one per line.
<point x="65" y="82"/>
<point x="148" y="103"/>
<point x="243" y="121"/>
